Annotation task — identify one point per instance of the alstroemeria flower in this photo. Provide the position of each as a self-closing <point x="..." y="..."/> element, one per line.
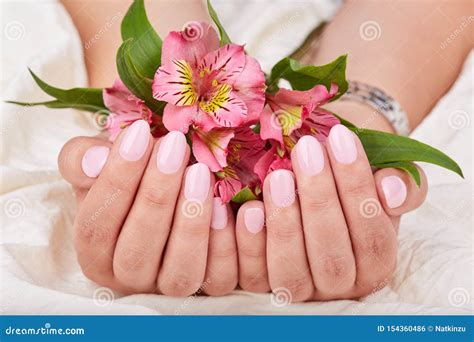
<point x="274" y="159"/>
<point x="210" y="147"/>
<point x="125" y="108"/>
<point x="290" y="110"/>
<point x="244" y="150"/>
<point x="206" y="85"/>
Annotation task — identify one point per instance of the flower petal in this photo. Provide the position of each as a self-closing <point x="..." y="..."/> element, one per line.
<point x="226" y="188"/>
<point x="250" y="87"/>
<point x="226" y="108"/>
<point x="316" y="96"/>
<point x="270" y="126"/>
<point x="177" y="46"/>
<point x="210" y="147"/>
<point x="224" y="65"/>
<point x="119" y="99"/>
<point x="177" y="118"/>
<point x="173" y="83"/>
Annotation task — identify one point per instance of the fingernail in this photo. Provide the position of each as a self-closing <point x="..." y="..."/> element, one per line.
<point x="342" y="144"/>
<point x="219" y="214"/>
<point x="135" y="140"/>
<point x="171" y="152"/>
<point x="282" y="188"/>
<point x="310" y="155"/>
<point x="254" y="219"/>
<point x="394" y="190"/>
<point x="94" y="160"/>
<point x="197" y="183"/>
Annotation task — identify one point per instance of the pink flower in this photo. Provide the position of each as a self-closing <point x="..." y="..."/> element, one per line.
<point x="274" y="159"/>
<point x="125" y="108"/>
<point x="292" y="113"/>
<point x="244" y="150"/>
<point x="206" y="85"/>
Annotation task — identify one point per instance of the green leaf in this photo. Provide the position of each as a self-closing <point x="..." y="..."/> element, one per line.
<point x="304" y="77"/>
<point x="59" y="104"/>
<point x="135" y="81"/>
<point x="244" y="195"/>
<point x="405" y="166"/>
<point x="72" y="97"/>
<point x="383" y="148"/>
<point x="224" y="37"/>
<point x="145" y="51"/>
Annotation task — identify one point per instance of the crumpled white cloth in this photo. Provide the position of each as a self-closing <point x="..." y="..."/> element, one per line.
<point x="39" y="272"/>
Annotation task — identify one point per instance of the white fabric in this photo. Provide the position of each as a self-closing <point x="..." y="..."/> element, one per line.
<point x="39" y="273"/>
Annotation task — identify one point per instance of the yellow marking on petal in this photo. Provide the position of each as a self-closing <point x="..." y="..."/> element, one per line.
<point x="215" y="83"/>
<point x="288" y="117"/>
<point x="218" y="100"/>
<point x="189" y="96"/>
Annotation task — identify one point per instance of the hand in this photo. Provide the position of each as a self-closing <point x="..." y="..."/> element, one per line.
<point x="338" y="237"/>
<point x="144" y="224"/>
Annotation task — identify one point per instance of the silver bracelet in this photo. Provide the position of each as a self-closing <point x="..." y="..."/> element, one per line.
<point x="380" y="101"/>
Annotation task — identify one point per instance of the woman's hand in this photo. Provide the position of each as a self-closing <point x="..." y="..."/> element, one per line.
<point x="335" y="236"/>
<point x="144" y="224"/>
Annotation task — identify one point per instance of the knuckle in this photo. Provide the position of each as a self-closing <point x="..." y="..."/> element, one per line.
<point x="129" y="260"/>
<point x="179" y="285"/>
<point x="355" y="186"/>
<point x="224" y="252"/>
<point x="301" y="288"/>
<point x="94" y="232"/>
<point x="255" y="283"/>
<point x="283" y="233"/>
<point x="157" y="197"/>
<point x="252" y="251"/>
<point x="221" y="287"/>
<point x="337" y="267"/>
<point x="118" y="185"/>
<point x="319" y="202"/>
<point x="378" y="242"/>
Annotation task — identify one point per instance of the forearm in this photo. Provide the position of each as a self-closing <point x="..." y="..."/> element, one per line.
<point x="98" y="24"/>
<point x="407" y="55"/>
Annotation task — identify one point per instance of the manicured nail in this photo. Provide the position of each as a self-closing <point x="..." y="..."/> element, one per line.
<point x="342" y="144"/>
<point x="310" y="155"/>
<point x="171" y="152"/>
<point x="394" y="190"/>
<point x="94" y="160"/>
<point x="197" y="183"/>
<point x="254" y="219"/>
<point x="219" y="214"/>
<point x="282" y="188"/>
<point x="135" y="140"/>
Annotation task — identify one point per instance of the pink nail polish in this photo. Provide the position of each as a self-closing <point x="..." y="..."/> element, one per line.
<point x="310" y="155"/>
<point x="219" y="214"/>
<point x="94" y="160"/>
<point x="171" y="152"/>
<point x="135" y="140"/>
<point x="254" y="219"/>
<point x="282" y="188"/>
<point x="342" y="144"/>
<point x="394" y="190"/>
<point x="197" y="183"/>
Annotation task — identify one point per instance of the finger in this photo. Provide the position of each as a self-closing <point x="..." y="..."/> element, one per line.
<point x="328" y="244"/>
<point x="107" y="203"/>
<point x="184" y="263"/>
<point x="251" y="244"/>
<point x="372" y="234"/>
<point x="144" y="234"/>
<point x="398" y="192"/>
<point x="81" y="160"/>
<point x="288" y="268"/>
<point x="222" y="268"/>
